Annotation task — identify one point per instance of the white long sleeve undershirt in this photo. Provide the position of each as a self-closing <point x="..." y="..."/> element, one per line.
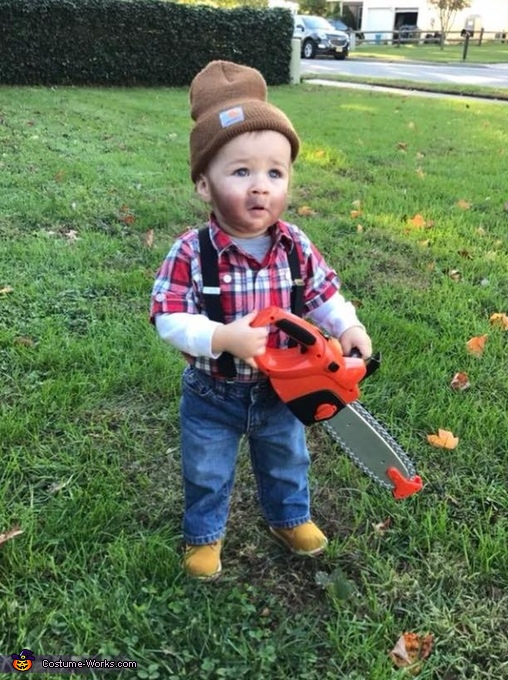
<point x="192" y="333"/>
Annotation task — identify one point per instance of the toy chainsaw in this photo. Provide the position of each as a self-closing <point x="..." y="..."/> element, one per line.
<point x="320" y="385"/>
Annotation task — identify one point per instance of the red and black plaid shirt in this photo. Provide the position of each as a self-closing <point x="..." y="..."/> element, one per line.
<point x="245" y="283"/>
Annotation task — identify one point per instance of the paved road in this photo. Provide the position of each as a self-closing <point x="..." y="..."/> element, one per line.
<point x="493" y="75"/>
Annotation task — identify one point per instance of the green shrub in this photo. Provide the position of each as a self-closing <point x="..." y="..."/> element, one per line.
<point x="136" y="42"/>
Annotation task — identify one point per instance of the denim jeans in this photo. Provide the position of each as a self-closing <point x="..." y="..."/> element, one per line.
<point x="214" y="415"/>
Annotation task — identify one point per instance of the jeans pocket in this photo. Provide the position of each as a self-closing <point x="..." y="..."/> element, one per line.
<point x="194" y="383"/>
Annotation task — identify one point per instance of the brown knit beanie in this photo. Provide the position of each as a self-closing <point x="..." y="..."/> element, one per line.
<point x="227" y="100"/>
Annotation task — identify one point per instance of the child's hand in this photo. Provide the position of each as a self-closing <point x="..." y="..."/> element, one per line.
<point x="356" y="337"/>
<point x="241" y="339"/>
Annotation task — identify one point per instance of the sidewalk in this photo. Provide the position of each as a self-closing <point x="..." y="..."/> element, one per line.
<point x="407" y="92"/>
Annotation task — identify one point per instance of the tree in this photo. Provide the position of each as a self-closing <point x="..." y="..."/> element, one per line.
<point x="447" y="9"/>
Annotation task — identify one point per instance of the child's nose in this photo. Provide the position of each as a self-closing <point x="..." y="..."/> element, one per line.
<point x="259" y="184"/>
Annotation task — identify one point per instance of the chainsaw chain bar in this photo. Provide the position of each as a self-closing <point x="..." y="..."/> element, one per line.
<point x="387" y="437"/>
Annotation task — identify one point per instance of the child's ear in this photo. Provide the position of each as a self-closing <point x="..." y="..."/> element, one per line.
<point x="203" y="188"/>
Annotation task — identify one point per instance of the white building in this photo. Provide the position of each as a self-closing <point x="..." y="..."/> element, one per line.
<point x="385" y="15"/>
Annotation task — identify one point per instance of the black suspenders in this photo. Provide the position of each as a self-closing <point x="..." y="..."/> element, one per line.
<point x="211" y="291"/>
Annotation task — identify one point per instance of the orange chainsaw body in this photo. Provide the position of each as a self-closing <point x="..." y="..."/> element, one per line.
<point x="314" y="378"/>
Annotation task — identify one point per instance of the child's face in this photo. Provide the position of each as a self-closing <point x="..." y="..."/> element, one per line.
<point x="247" y="182"/>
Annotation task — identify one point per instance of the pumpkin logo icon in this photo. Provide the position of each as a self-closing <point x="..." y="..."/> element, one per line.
<point x="23" y="661"/>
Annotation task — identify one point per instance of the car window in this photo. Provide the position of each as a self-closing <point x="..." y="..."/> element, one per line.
<point x="317" y="23"/>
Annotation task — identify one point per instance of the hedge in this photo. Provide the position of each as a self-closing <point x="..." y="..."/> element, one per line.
<point x="136" y="42"/>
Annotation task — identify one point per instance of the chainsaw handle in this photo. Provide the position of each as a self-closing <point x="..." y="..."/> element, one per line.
<point x="294" y="326"/>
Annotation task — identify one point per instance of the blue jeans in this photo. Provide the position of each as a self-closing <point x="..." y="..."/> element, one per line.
<point x="214" y="415"/>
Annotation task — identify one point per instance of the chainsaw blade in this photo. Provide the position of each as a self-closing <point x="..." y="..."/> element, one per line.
<point x="371" y="447"/>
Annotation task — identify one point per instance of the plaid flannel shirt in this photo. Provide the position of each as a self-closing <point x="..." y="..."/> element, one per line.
<point x="246" y="284"/>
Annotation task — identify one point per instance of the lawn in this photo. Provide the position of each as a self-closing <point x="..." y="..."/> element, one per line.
<point x="407" y="199"/>
<point x="486" y="53"/>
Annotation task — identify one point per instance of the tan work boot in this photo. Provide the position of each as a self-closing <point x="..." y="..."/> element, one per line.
<point x="203" y="561"/>
<point x="305" y="540"/>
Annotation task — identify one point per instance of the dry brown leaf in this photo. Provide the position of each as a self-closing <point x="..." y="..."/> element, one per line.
<point x="463" y="204"/>
<point x="125" y="215"/>
<point x="402" y="146"/>
<point x="476" y="345"/>
<point x="6" y="536"/>
<point x="499" y="321"/>
<point x="460" y="382"/>
<point x="306" y="211"/>
<point x="418" y="221"/>
<point x="23" y="340"/>
<point x="71" y="235"/>
<point x="411" y="650"/>
<point x="357" y="204"/>
<point x="381" y="527"/>
<point x="5" y="290"/>
<point x="465" y="253"/>
<point x="444" y="439"/>
<point x="355" y="213"/>
<point x="454" y="274"/>
<point x="148" y="239"/>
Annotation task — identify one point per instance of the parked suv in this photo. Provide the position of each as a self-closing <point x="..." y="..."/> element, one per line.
<point x="318" y="36"/>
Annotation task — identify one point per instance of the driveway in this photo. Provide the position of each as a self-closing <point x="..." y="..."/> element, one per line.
<point x="491" y="75"/>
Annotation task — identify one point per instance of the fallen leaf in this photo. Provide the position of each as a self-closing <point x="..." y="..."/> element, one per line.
<point x="402" y="146"/>
<point x="465" y="253"/>
<point x="355" y="213"/>
<point x="444" y="439"/>
<point x="381" y="527"/>
<point x="5" y="290"/>
<point x="418" y="221"/>
<point x="499" y="321"/>
<point x="425" y="243"/>
<point x="454" y="274"/>
<point x="476" y="345"/>
<point x="420" y="173"/>
<point x="463" y="204"/>
<point x="359" y="228"/>
<point x="125" y="215"/>
<point x="306" y="211"/>
<point x="357" y="204"/>
<point x="411" y="650"/>
<point x="481" y="231"/>
<point x="420" y="155"/>
<point x="23" y="340"/>
<point x="460" y="382"/>
<point x="71" y="235"/>
<point x="148" y="239"/>
<point x="15" y="531"/>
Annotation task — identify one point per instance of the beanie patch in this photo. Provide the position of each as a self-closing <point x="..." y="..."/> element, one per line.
<point x="231" y="116"/>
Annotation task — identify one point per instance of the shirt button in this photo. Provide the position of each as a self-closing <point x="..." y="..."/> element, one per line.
<point x="227" y="278"/>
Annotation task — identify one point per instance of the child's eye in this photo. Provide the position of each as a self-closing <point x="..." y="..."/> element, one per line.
<point x="241" y="172"/>
<point x="275" y="174"/>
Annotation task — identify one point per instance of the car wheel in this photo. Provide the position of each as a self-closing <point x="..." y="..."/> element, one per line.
<point x="309" y="49"/>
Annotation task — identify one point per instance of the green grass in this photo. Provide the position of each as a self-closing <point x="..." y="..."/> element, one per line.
<point x="487" y="53"/>
<point x="89" y="395"/>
